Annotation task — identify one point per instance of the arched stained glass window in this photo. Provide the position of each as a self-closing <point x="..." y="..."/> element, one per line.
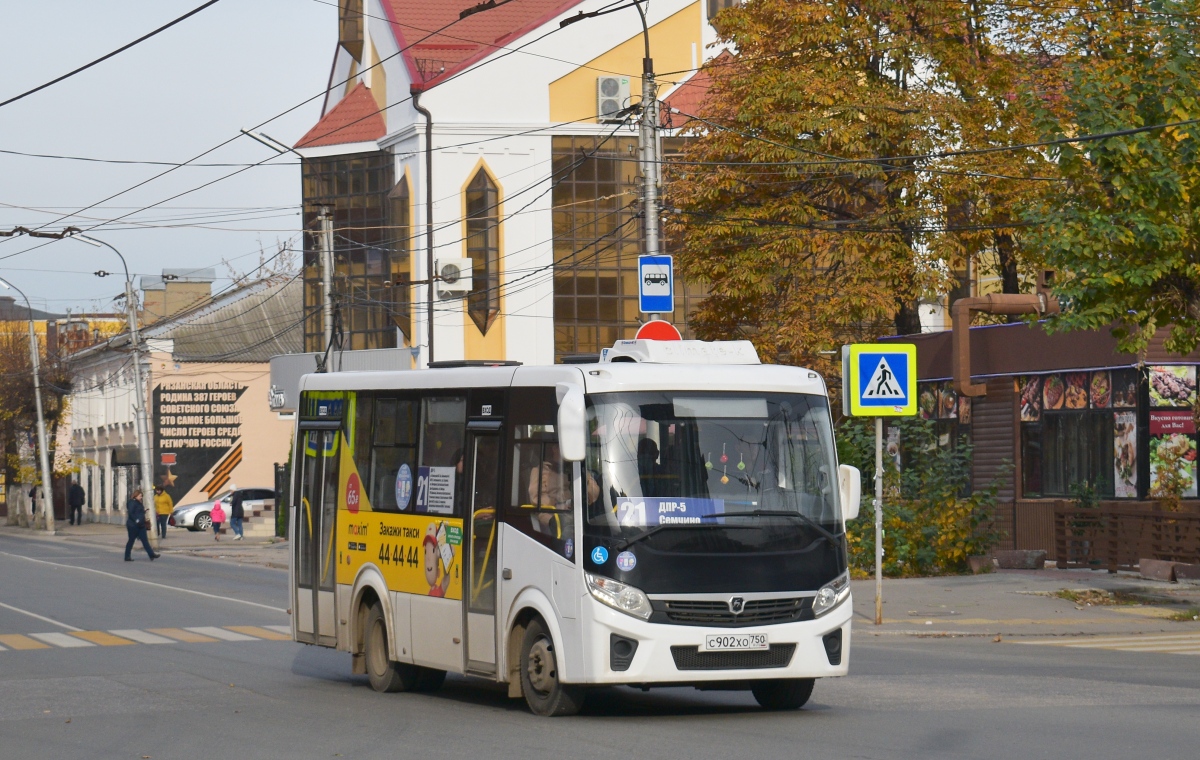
<point x="483" y="248"/>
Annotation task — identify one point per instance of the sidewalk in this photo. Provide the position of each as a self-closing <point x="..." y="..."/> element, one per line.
<point x="1022" y="603"/>
<point x="178" y="542"/>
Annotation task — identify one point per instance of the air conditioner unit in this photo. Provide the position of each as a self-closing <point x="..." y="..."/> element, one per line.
<point x="612" y="95"/>
<point x="454" y="277"/>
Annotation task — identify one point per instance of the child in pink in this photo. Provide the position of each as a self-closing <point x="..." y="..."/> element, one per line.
<point x="218" y="516"/>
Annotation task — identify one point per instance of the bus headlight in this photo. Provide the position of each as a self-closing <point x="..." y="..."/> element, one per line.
<point x="620" y="596"/>
<point x="831" y="594"/>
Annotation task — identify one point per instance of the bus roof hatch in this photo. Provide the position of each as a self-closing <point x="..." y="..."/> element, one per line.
<point x="681" y="352"/>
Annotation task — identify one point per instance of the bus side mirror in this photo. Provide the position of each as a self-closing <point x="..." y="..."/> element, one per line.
<point x="572" y="423"/>
<point x="850" y="488"/>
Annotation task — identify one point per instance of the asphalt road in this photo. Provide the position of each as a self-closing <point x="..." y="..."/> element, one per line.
<point x="259" y="697"/>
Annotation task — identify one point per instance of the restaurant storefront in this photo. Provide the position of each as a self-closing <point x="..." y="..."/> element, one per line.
<point x="1063" y="416"/>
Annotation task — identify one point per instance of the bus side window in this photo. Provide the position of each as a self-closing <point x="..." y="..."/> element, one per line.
<point x="394" y="446"/>
<point x="542" y="497"/>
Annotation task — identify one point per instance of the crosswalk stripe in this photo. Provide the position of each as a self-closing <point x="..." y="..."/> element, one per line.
<point x="18" y="641"/>
<point x="141" y="637"/>
<point x="180" y="634"/>
<point x="260" y="632"/>
<point x="127" y="636"/>
<point x="102" y="638"/>
<point x="61" y="640"/>
<point x="1178" y="643"/>
<point x="221" y="633"/>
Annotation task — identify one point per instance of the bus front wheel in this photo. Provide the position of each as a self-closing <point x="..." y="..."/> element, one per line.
<point x="545" y="694"/>
<point x="783" y="693"/>
<point x="384" y="673"/>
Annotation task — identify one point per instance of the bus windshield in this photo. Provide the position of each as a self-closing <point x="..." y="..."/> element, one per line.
<point x="736" y="460"/>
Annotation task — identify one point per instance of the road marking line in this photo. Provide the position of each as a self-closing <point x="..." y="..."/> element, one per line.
<point x="63" y="640"/>
<point x="142" y="637"/>
<point x="181" y="635"/>
<point x="260" y="632"/>
<point x="1116" y="640"/>
<point x="280" y="628"/>
<point x="42" y="618"/>
<point x="220" y="633"/>
<point x="103" y="638"/>
<point x="1171" y="648"/>
<point x="17" y="641"/>
<point x="138" y="580"/>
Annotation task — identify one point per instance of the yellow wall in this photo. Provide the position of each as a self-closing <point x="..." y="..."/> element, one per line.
<point x="476" y="345"/>
<point x="573" y="97"/>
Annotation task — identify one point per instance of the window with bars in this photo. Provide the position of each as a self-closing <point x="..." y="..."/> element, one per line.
<point x="597" y="240"/>
<point x="371" y="231"/>
<point x="483" y="248"/>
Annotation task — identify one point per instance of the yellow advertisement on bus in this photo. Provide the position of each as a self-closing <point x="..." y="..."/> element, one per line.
<point x="416" y="553"/>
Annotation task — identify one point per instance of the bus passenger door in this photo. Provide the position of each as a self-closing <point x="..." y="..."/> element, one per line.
<point x="483" y="445"/>
<point x="316" y="510"/>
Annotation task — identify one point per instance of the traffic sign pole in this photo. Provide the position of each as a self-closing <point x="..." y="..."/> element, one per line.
<point x="878" y="521"/>
<point x="879" y="381"/>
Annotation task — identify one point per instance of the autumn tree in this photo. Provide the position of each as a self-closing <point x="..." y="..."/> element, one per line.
<point x="1123" y="230"/>
<point x="18" y="416"/>
<point x="828" y="188"/>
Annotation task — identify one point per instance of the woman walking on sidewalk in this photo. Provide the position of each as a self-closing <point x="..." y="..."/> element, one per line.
<point x="135" y="526"/>
<point x="218" y="516"/>
<point x="237" y="513"/>
<point x="163" y="504"/>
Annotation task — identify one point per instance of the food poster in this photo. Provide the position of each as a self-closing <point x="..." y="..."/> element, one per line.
<point x="417" y="554"/>
<point x="1174" y="452"/>
<point x="1030" y="390"/>
<point x="1125" y="455"/>
<point x="1054" y="393"/>
<point x="1075" y="390"/>
<point x="948" y="402"/>
<point x="1173" y="387"/>
<point x="1124" y="392"/>
<point x="964" y="410"/>
<point x="1100" y="390"/>
<point x="928" y="400"/>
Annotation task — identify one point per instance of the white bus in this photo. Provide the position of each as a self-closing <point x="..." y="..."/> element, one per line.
<point x="673" y="514"/>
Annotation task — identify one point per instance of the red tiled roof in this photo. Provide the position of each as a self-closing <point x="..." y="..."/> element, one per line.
<point x="689" y="97"/>
<point x="434" y="58"/>
<point x="355" y="118"/>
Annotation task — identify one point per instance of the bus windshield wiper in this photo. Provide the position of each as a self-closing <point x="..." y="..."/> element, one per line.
<point x="776" y="513"/>
<point x="656" y="528"/>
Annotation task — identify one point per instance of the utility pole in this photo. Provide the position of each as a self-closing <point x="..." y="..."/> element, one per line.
<point x="43" y="453"/>
<point x="139" y="400"/>
<point x="326" y="245"/>
<point x="139" y="395"/>
<point x="648" y="146"/>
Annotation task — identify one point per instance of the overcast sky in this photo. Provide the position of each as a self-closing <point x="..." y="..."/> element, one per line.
<point x="236" y="64"/>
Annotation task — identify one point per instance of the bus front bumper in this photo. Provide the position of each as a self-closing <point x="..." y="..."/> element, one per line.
<point x="673" y="654"/>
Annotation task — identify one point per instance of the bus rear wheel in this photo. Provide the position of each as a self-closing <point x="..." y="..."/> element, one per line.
<point x="783" y="693"/>
<point x="384" y="673"/>
<point x="544" y="693"/>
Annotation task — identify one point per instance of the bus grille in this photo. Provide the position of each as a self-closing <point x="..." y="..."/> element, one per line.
<point x="691" y="658"/>
<point x="756" y="612"/>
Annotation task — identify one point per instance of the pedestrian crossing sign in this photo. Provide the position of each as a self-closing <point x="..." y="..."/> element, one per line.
<point x="879" y="380"/>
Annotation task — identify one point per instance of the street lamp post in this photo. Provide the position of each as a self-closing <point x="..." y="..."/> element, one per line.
<point x="43" y="452"/>
<point x="139" y="408"/>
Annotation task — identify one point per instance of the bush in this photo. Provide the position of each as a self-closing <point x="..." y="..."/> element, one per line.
<point x="930" y="523"/>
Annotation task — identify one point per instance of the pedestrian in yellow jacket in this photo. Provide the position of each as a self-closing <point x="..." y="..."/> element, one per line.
<point x="163" y="504"/>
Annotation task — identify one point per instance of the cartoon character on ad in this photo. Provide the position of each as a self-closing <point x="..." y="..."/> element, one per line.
<point x="439" y="556"/>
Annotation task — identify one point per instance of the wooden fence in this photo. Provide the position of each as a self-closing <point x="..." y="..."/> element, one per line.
<point x="1117" y="537"/>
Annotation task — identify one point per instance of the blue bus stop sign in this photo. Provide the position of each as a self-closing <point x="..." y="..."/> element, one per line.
<point x="656" y="285"/>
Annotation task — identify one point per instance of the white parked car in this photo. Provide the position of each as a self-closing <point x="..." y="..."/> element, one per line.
<point x="199" y="516"/>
